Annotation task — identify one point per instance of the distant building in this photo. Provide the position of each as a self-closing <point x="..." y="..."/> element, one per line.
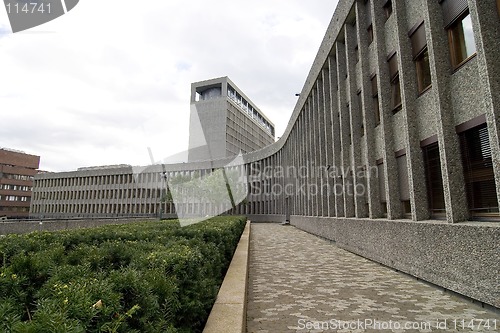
<point x="224" y="122"/>
<point x="17" y="171"/>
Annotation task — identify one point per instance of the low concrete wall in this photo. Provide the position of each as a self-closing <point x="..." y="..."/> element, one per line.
<point x="22" y="227"/>
<point x="463" y="257"/>
<point x="229" y="311"/>
<point x="266" y="218"/>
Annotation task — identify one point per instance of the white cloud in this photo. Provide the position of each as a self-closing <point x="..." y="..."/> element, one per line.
<point x="110" y="78"/>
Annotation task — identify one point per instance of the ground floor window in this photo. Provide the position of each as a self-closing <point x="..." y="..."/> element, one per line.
<point x="434" y="180"/>
<point x="478" y="172"/>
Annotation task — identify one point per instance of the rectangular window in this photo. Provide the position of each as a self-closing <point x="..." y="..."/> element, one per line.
<point x="370" y="34"/>
<point x="424" y="80"/>
<point x="420" y="56"/>
<point x="376" y="109"/>
<point x="404" y="188"/>
<point x="395" y="84"/>
<point x="458" y="23"/>
<point x="462" y="43"/>
<point x="478" y="172"/>
<point x="388" y="8"/>
<point x="434" y="180"/>
<point x="381" y="184"/>
<point x="360" y="114"/>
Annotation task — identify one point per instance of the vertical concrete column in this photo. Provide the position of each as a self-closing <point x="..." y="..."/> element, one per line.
<point x="384" y="93"/>
<point x="355" y="118"/>
<point x="293" y="150"/>
<point x="304" y="164"/>
<point x="280" y="155"/>
<point x="449" y="148"/>
<point x="485" y="23"/>
<point x="336" y="170"/>
<point x="364" y="46"/>
<point x="320" y="130"/>
<point x="295" y="178"/>
<point x="310" y="157"/>
<point x="301" y="180"/>
<point x="312" y="154"/>
<point x="345" y="130"/>
<point x="409" y="91"/>
<point x="315" y="115"/>
<point x="328" y="141"/>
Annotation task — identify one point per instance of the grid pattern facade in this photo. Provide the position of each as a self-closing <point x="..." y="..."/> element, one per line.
<point x="17" y="171"/>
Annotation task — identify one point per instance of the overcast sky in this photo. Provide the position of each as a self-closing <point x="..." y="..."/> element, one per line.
<point x="109" y="79"/>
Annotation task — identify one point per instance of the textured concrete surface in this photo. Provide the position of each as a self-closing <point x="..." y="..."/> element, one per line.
<point x="229" y="311"/>
<point x="462" y="257"/>
<point x="299" y="282"/>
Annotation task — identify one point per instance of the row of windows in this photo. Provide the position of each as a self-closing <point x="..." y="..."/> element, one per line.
<point x="17" y="177"/>
<point x="462" y="47"/>
<point x="479" y="177"/>
<point x="248" y="108"/>
<point x="104" y="180"/>
<point x="96" y="194"/>
<point x="14" y="198"/>
<point x="15" y="187"/>
<point x="242" y="121"/>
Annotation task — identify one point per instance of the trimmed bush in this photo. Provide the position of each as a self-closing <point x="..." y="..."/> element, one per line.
<point x="144" y="277"/>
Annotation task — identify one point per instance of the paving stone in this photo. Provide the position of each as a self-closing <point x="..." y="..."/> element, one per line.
<point x="301" y="283"/>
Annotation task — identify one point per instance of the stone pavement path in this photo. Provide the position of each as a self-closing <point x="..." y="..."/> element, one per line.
<point x="301" y="283"/>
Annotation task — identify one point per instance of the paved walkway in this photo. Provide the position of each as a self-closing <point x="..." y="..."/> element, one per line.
<point x="299" y="282"/>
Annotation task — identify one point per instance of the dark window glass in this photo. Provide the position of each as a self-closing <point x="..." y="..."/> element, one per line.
<point x="395" y="85"/>
<point x="360" y="108"/>
<point x="375" y="99"/>
<point x="381" y="184"/>
<point x="434" y="179"/>
<point x="420" y="56"/>
<point x="478" y="172"/>
<point x="423" y="71"/>
<point x="404" y="188"/>
<point x="370" y="33"/>
<point x="388" y="9"/>
<point x="395" y="93"/>
<point x="461" y="38"/>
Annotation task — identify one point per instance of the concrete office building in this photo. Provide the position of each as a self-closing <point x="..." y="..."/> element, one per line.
<point x="393" y="148"/>
<point x="225" y="122"/>
<point x="17" y="171"/>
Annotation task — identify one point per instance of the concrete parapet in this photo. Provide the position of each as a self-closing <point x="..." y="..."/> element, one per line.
<point x="229" y="311"/>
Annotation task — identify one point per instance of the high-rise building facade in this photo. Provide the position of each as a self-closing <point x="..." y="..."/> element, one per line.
<point x="17" y="171"/>
<point x="393" y="148"/>
<point x="225" y="122"/>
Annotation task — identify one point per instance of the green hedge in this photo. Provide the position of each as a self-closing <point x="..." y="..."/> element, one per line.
<point x="144" y="277"/>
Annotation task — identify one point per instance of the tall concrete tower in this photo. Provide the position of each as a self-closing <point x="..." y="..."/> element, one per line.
<point x="223" y="121"/>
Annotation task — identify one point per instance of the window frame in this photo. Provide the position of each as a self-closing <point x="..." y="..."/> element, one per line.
<point x="374" y="87"/>
<point x="420" y="53"/>
<point x="452" y="43"/>
<point x="420" y="72"/>
<point x="477" y="171"/>
<point x="392" y="61"/>
<point x="435" y="177"/>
